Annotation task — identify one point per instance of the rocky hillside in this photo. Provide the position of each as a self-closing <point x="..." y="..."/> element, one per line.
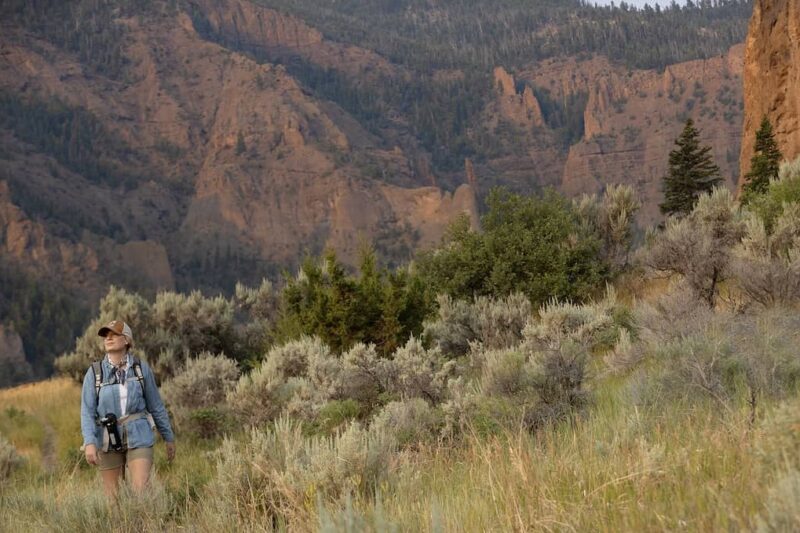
<point x="772" y="76"/>
<point x="205" y="160"/>
<point x="193" y="143"/>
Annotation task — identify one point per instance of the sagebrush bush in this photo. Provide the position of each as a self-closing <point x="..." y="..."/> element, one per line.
<point x="117" y="304"/>
<point x="781" y="511"/>
<point x="766" y="265"/>
<point x="505" y="372"/>
<point x="190" y="324"/>
<point x="262" y="394"/>
<point x="407" y="422"/>
<point x="731" y="359"/>
<point x="364" y="376"/>
<point x="612" y="219"/>
<point x="590" y="324"/>
<point x="196" y="395"/>
<point x="277" y="475"/>
<point x="698" y="246"/>
<point x="558" y="374"/>
<point x="625" y="355"/>
<point x="676" y="313"/>
<point x="9" y="459"/>
<point x="454" y="328"/>
<point x="420" y="373"/>
<point x="494" y="323"/>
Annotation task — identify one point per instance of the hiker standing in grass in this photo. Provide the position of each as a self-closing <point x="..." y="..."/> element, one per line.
<point x="120" y="409"/>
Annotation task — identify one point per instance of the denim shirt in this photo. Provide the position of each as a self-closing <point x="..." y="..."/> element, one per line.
<point x="139" y="433"/>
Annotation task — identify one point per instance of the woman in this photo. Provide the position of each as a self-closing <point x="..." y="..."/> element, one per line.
<point x="120" y="407"/>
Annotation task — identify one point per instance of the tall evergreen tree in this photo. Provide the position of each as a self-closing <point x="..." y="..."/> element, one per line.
<point x="764" y="164"/>
<point x="692" y="171"/>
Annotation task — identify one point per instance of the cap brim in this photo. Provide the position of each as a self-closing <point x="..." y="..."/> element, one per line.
<point x="103" y="331"/>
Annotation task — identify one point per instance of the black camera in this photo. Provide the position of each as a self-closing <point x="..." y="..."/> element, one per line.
<point x="114" y="440"/>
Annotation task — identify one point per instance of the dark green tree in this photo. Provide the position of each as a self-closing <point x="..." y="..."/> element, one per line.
<point x="692" y="172"/>
<point x="764" y="164"/>
<point x="377" y="306"/>
<point x="534" y="245"/>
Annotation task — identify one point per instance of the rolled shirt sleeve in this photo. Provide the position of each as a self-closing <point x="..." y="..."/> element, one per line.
<point x="88" y="409"/>
<point x="155" y="406"/>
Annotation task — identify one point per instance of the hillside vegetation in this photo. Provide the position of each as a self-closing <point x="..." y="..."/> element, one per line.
<point x="651" y="405"/>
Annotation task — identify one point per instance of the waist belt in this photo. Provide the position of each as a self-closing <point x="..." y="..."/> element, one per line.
<point x="124" y="421"/>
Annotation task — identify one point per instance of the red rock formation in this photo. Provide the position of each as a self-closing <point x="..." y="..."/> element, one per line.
<point x="772" y="77"/>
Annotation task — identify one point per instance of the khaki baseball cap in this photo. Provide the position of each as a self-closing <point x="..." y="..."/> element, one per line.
<point x="119" y="327"/>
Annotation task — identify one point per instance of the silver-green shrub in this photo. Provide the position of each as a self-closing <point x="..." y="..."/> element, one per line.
<point x="196" y="395"/>
<point x="279" y="474"/>
<point x="365" y="376"/>
<point x="494" y="323"/>
<point x="190" y="324"/>
<point x="454" y="328"/>
<point x="262" y="394"/>
<point x="559" y="322"/>
<point x="407" y="422"/>
<point x="698" y="246"/>
<point x="730" y="359"/>
<point x="781" y="511"/>
<point x="766" y="265"/>
<point x="500" y="321"/>
<point x="505" y="372"/>
<point x="676" y="313"/>
<point x="118" y="304"/>
<point x="419" y="373"/>
<point x="612" y="219"/>
<point x="9" y="459"/>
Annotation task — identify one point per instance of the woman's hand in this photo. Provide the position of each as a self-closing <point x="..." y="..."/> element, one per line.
<point x="91" y="454"/>
<point x="170" y="451"/>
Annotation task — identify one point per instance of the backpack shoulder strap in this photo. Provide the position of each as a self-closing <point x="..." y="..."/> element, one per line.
<point x="137" y="369"/>
<point x="97" y="368"/>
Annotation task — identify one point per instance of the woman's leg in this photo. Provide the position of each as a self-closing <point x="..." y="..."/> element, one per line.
<point x="111" y="480"/>
<point x="139" y="470"/>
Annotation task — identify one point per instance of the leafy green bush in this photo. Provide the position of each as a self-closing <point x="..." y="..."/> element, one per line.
<point x="376" y="307"/>
<point x="784" y="190"/>
<point x="533" y="245"/>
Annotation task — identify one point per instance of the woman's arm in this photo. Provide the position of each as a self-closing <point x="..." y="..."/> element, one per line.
<point x="88" y="412"/>
<point x="88" y="408"/>
<point x="155" y="406"/>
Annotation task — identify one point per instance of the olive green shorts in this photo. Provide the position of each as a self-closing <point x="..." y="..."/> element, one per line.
<point x="112" y="460"/>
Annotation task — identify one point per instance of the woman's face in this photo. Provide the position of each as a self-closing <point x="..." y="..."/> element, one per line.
<point x="114" y="343"/>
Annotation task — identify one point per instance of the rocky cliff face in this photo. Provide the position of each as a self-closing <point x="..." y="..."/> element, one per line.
<point x="270" y="172"/>
<point x="772" y="76"/>
<point x="631" y="120"/>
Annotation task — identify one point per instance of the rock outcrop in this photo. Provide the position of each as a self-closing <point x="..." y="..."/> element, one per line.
<point x="632" y="118"/>
<point x="246" y="163"/>
<point x="520" y="108"/>
<point x="772" y="77"/>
